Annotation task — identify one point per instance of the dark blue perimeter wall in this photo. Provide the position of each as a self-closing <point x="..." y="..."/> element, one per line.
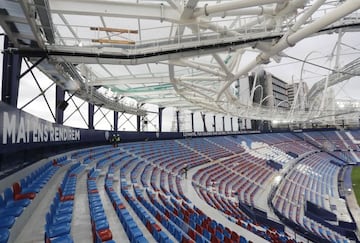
<point x="26" y="138"/>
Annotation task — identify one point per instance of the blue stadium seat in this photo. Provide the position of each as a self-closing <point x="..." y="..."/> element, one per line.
<point x="206" y="234"/>
<point x="243" y="239"/>
<point x="26" y="187"/>
<point x="10" y="202"/>
<point x="8" y="210"/>
<point x="56" y="230"/>
<point x="7" y="222"/>
<point x="59" y="218"/>
<point x="4" y="235"/>
<point x="101" y="224"/>
<point x="60" y="204"/>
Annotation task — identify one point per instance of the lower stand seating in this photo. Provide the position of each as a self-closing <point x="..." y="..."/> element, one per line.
<point x="58" y="219"/>
<point x="16" y="199"/>
<point x="99" y="224"/>
<point x="4" y="235"/>
<point x="19" y="194"/>
<point x="9" y="209"/>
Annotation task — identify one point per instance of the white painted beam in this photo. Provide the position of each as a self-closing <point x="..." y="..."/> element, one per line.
<point x="152" y="93"/>
<point x="130" y="80"/>
<point x="210" y="9"/>
<point x="114" y="9"/>
<point x="189" y="9"/>
<point x="174" y="4"/>
<point x="198" y="66"/>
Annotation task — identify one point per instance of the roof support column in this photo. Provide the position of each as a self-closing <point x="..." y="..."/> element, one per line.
<point x="214" y="123"/>
<point x="160" y="118"/>
<point x="231" y="123"/>
<point x="192" y="121"/>
<point x="138" y="118"/>
<point x="239" y="124"/>
<point x="116" y="120"/>
<point x="11" y="75"/>
<point x="91" y="116"/>
<point x="204" y="123"/>
<point x="223" y="120"/>
<point x="177" y="121"/>
<point x="61" y="105"/>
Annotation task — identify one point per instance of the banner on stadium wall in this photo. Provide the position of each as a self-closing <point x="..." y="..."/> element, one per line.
<point x="20" y="130"/>
<point x="23" y="129"/>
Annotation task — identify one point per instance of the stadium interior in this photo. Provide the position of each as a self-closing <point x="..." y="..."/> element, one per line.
<point x="179" y="121"/>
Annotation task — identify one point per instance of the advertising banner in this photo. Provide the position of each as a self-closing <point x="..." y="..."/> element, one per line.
<point x="19" y="130"/>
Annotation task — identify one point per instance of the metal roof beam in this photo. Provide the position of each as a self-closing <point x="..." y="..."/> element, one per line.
<point x="146" y="92"/>
<point x="173" y="3"/>
<point x="189" y="9"/>
<point x="130" y="80"/>
<point x="115" y="9"/>
<point x="198" y="66"/>
<point x="210" y="9"/>
<point x="166" y="101"/>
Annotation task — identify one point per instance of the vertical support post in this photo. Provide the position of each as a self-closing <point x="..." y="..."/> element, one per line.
<point x="61" y="105"/>
<point x="192" y="122"/>
<point x="231" y="123"/>
<point x="204" y="123"/>
<point x="116" y="120"/>
<point x="91" y="116"/>
<point x="10" y="76"/>
<point x="239" y="124"/>
<point x="223" y="120"/>
<point x="160" y="118"/>
<point x="177" y="121"/>
<point x="138" y="118"/>
<point x="214" y="117"/>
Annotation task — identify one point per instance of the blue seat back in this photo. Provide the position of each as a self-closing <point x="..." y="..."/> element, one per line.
<point x="8" y="195"/>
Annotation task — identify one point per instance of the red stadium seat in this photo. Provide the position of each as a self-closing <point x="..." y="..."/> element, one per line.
<point x="19" y="196"/>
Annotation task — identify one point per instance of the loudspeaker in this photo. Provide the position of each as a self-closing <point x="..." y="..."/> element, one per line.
<point x="62" y="105"/>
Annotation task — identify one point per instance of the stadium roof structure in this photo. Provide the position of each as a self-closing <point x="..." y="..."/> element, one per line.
<point x="184" y="54"/>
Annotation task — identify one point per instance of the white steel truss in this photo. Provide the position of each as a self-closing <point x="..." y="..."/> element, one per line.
<point x="185" y="54"/>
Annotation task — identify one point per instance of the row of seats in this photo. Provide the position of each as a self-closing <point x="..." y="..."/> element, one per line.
<point x="172" y="220"/>
<point x="145" y="218"/>
<point x="131" y="228"/>
<point x="92" y="154"/>
<point x="313" y="179"/>
<point x="59" y="217"/>
<point x="206" y="148"/>
<point x="168" y="224"/>
<point x="157" y="174"/>
<point x="349" y="137"/>
<point x="177" y="225"/>
<point x="227" y="142"/>
<point x="15" y="200"/>
<point x="86" y="155"/>
<point x="61" y="161"/>
<point x="148" y="221"/>
<point x="199" y="227"/>
<point x="99" y="224"/>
